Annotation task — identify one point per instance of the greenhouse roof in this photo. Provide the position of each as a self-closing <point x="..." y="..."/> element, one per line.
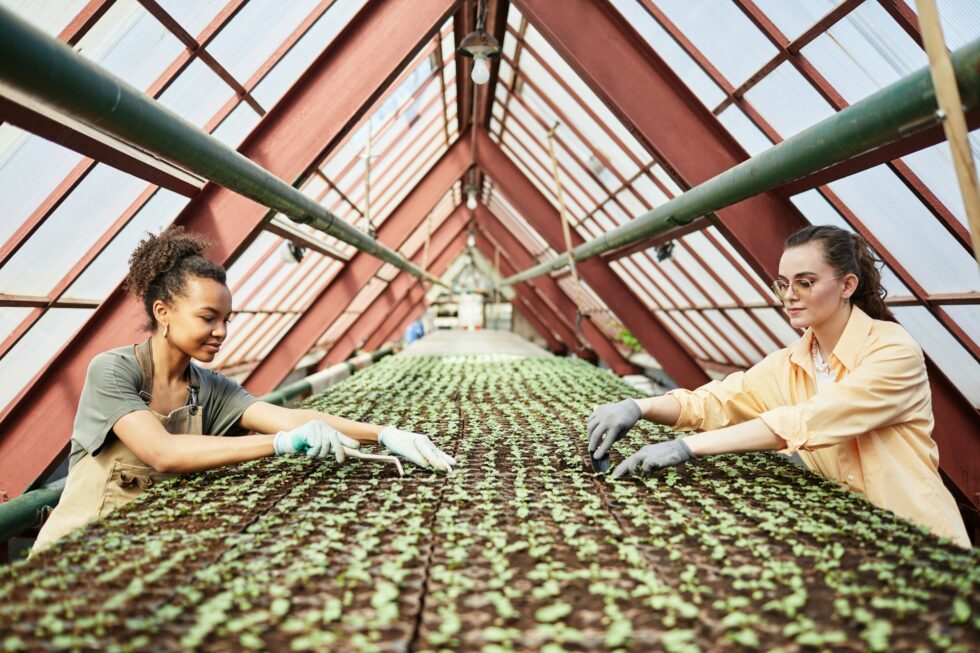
<point x="366" y="107"/>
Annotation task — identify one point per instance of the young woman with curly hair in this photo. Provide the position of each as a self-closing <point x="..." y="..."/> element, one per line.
<point x="850" y="397"/>
<point x="147" y="412"/>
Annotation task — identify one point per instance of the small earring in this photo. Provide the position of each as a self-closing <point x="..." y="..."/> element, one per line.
<point x="166" y="330"/>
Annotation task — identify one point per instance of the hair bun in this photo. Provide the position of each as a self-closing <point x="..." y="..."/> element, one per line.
<point x="157" y="255"/>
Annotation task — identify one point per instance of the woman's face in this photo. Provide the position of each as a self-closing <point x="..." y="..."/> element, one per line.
<point x="198" y="321"/>
<point x="806" y="264"/>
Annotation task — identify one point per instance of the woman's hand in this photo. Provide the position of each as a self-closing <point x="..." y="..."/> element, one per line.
<point x="417" y="448"/>
<point x="316" y="439"/>
<point x="610" y="422"/>
<point x="653" y="457"/>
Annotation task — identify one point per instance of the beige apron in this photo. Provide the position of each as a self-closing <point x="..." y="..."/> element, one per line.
<point x="99" y="484"/>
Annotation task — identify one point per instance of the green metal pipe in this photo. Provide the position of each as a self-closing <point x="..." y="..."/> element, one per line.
<point x="326" y="378"/>
<point x="891" y="114"/>
<point x="24" y="512"/>
<point x="46" y="71"/>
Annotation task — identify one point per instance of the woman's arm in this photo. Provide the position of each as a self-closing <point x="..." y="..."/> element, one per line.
<point x="753" y="435"/>
<point x="662" y="410"/>
<point x="181" y="453"/>
<point x="263" y="417"/>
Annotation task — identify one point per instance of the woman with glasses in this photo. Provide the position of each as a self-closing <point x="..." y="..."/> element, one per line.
<point x="850" y="397"/>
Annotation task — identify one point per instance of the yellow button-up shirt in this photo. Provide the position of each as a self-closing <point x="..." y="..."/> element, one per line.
<point x="870" y="430"/>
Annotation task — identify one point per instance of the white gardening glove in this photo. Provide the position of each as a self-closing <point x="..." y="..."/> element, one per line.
<point x="316" y="439"/>
<point x="415" y="447"/>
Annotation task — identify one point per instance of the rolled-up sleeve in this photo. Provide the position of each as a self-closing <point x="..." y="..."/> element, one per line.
<point x="734" y="399"/>
<point x="889" y="386"/>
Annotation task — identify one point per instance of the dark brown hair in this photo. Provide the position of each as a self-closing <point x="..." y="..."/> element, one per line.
<point x="160" y="266"/>
<point x="850" y="253"/>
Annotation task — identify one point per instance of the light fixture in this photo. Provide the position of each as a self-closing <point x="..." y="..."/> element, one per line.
<point x="471" y="240"/>
<point x="291" y="252"/>
<point x="481" y="47"/>
<point x="664" y="251"/>
<point x="470" y="197"/>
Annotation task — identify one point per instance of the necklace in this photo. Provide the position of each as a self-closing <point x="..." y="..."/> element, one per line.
<point x="819" y="364"/>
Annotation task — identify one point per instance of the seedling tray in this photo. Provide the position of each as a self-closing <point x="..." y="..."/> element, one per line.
<point x="523" y="548"/>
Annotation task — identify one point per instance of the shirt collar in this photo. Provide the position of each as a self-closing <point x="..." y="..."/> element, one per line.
<point x="846" y="351"/>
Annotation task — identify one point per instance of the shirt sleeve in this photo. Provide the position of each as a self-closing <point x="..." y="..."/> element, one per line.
<point x="111" y="391"/>
<point x="224" y="405"/>
<point x="736" y="398"/>
<point x="889" y="385"/>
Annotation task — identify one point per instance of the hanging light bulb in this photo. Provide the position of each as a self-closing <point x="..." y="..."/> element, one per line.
<point x="470" y="198"/>
<point x="481" y="69"/>
<point x="481" y="46"/>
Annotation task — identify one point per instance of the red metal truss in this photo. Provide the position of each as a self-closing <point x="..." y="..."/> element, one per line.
<point x="521" y="258"/>
<point x="311" y="118"/>
<point x="448" y="240"/>
<point x="535" y="208"/>
<point x="335" y="297"/>
<point x="643" y="91"/>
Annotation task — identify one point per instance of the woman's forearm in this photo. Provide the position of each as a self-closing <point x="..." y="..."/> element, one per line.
<point x="662" y="410"/>
<point x="195" y="453"/>
<point x="360" y="431"/>
<point x="753" y="435"/>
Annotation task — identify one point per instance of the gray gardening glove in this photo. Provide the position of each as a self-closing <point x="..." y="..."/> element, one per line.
<point x="654" y="456"/>
<point x="610" y="422"/>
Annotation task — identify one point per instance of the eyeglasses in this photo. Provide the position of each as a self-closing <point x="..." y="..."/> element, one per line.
<point x="801" y="287"/>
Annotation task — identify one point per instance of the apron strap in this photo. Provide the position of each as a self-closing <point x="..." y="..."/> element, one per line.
<point x="144" y="357"/>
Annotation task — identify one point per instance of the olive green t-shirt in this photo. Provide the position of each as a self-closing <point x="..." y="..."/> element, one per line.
<point x="111" y="390"/>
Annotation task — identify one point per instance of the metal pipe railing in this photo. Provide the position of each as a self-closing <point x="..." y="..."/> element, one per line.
<point x="323" y="379"/>
<point x="35" y="67"/>
<point x="892" y="113"/>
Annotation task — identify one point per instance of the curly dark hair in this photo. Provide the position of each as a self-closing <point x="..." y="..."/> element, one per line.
<point x="160" y="266"/>
<point x="850" y="253"/>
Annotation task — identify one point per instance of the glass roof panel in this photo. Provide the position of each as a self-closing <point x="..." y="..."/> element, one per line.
<point x="695" y="330"/>
<point x="109" y="267"/>
<point x="754" y="329"/>
<point x="35" y="349"/>
<point x="793" y="17"/>
<point x="949" y="355"/>
<point x="73" y="227"/>
<point x="31" y="168"/>
<point x="193" y="15"/>
<point x="718" y="29"/>
<point x="960" y="20"/>
<point x="10" y="317"/>
<point x="909" y="231"/>
<point x="278" y="80"/>
<point x="680" y="333"/>
<point x="864" y="52"/>
<point x="50" y="16"/>
<point x="686" y="68"/>
<point x="130" y="43"/>
<point x="787" y="101"/>
<point x="934" y="166"/>
<point x="197" y="94"/>
<point x="239" y="123"/>
<point x="255" y="33"/>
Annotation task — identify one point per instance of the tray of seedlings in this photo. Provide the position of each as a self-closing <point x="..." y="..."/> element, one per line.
<point x="523" y="548"/>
